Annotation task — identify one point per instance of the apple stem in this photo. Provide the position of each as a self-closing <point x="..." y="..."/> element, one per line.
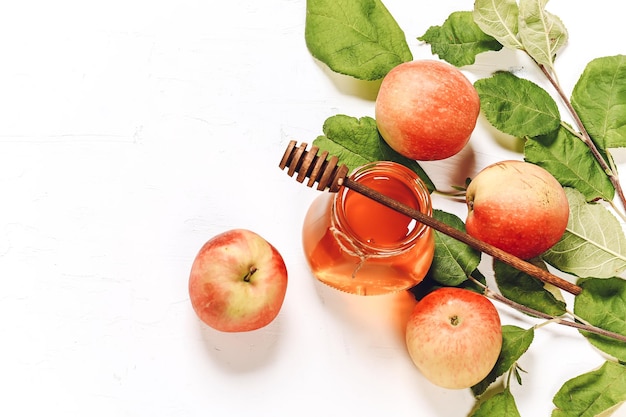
<point x="251" y="272"/>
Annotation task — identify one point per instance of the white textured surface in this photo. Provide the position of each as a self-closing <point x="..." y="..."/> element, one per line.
<point x="132" y="132"/>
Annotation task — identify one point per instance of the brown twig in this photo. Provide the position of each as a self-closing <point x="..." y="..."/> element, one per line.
<point x="584" y="136"/>
<point x="559" y="320"/>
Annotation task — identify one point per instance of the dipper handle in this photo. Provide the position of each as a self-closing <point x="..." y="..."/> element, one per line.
<point x="326" y="172"/>
<point x="317" y="168"/>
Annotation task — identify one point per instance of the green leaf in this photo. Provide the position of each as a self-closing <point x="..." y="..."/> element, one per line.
<point x="429" y="285"/>
<point x="599" y="98"/>
<point x="500" y="19"/>
<point x="592" y="393"/>
<point x="459" y="40"/>
<point x="518" y="376"/>
<point x="527" y="290"/>
<point x="515" y="342"/>
<point x="356" y="142"/>
<point x="359" y="38"/>
<point x="517" y="106"/>
<point x="593" y="244"/>
<point x="453" y="261"/>
<point x="502" y="405"/>
<point x="570" y="161"/>
<point x="603" y="304"/>
<point x="541" y="32"/>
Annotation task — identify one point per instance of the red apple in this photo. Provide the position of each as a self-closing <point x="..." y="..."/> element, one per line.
<point x="426" y="109"/>
<point x="454" y="337"/>
<point x="518" y="207"/>
<point x="238" y="282"/>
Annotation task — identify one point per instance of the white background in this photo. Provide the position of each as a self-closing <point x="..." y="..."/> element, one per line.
<point x="133" y="131"/>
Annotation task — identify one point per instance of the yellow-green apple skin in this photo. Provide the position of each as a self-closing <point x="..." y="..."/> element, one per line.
<point x="454" y="337"/>
<point x="426" y="109"/>
<point x="238" y="282"/>
<point x="518" y="207"/>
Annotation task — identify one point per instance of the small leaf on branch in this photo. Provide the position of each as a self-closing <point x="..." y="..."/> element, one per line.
<point x="453" y="260"/>
<point x="359" y="38"/>
<point x="527" y="290"/>
<point x="459" y="40"/>
<point x="499" y="19"/>
<point x="515" y="342"/>
<point x="570" y="161"/>
<point x="357" y="142"/>
<point x="518" y="376"/>
<point x="517" y="106"/>
<point x="541" y="32"/>
<point x="602" y="303"/>
<point x="599" y="98"/>
<point x="593" y="244"/>
<point x="592" y="393"/>
<point x="502" y="405"/>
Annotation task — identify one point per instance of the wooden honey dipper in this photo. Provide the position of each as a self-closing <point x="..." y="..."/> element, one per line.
<point x="327" y="173"/>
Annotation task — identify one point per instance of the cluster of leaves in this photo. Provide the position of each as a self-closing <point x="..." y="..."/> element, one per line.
<point x="361" y="39"/>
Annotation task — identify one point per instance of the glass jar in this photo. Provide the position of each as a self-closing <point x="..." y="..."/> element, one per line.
<point x="360" y="246"/>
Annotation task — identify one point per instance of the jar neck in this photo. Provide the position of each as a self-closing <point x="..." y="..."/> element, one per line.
<point x="367" y="228"/>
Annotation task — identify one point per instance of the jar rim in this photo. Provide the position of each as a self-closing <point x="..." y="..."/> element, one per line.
<point x="409" y="178"/>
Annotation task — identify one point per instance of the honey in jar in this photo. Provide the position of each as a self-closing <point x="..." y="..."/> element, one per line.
<point x="360" y="246"/>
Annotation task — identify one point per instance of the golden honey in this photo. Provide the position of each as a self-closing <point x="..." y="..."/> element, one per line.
<point x="360" y="246"/>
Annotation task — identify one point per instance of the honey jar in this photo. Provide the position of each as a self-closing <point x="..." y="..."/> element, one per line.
<point x="360" y="246"/>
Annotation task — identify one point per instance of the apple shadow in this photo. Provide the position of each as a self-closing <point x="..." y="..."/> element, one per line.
<point x="453" y="171"/>
<point x="464" y="166"/>
<point x="242" y="351"/>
